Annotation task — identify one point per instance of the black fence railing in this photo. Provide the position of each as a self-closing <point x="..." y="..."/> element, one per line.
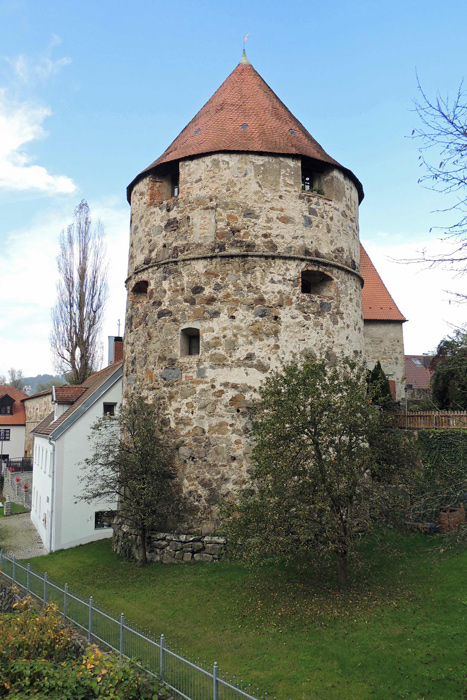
<point x="20" y="465"/>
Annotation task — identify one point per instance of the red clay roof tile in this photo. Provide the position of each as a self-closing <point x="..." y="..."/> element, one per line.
<point x="377" y="303"/>
<point x="417" y="373"/>
<point x="18" y="416"/>
<point x="244" y="114"/>
<point x="68" y="394"/>
<point x="92" y="383"/>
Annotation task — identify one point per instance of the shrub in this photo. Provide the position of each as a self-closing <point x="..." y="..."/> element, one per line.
<point x="40" y="657"/>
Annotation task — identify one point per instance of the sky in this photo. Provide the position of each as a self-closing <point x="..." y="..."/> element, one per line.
<point x="91" y="93"/>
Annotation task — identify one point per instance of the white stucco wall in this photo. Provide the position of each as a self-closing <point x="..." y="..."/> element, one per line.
<point x="41" y="496"/>
<point x="72" y="521"/>
<point x="14" y="447"/>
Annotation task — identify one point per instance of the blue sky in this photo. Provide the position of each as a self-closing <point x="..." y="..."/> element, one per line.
<point x="92" y="92"/>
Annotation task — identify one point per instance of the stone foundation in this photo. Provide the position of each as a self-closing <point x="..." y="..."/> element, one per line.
<point x="170" y="548"/>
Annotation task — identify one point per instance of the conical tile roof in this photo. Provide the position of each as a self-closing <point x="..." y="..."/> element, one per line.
<point x="377" y="303"/>
<point x="244" y="114"/>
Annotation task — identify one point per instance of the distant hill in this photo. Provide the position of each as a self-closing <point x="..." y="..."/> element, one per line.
<point x="35" y="382"/>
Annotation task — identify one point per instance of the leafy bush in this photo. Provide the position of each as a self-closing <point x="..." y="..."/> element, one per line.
<point x="39" y="657"/>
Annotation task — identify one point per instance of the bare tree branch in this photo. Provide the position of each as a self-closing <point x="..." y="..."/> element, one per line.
<point x="81" y="296"/>
<point x="443" y="135"/>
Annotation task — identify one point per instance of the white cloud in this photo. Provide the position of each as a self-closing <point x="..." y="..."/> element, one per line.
<point x="423" y="295"/>
<point x="28" y="285"/>
<point x="28" y="70"/>
<point x="21" y="123"/>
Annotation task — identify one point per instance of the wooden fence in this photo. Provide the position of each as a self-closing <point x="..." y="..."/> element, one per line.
<point x="434" y="420"/>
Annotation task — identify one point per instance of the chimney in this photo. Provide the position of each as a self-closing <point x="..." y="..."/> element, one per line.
<point x="117" y="350"/>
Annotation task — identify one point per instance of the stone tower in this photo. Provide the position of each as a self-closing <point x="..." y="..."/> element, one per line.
<point x="244" y="250"/>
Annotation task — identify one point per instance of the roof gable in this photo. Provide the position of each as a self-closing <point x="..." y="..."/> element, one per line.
<point x="93" y="387"/>
<point x="377" y="303"/>
<point x="244" y="114"/>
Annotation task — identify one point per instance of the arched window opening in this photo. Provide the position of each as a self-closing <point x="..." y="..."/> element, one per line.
<point x="189" y="341"/>
<point x="316" y="282"/>
<point x="140" y="289"/>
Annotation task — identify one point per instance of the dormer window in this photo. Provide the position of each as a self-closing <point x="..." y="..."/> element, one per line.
<point x="6" y="405"/>
<point x="175" y="184"/>
<point x="189" y="342"/>
<point x="311" y="180"/>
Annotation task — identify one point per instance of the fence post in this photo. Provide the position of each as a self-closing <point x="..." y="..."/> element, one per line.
<point x="45" y="588"/>
<point x="1" y="559"/>
<point x="14" y="569"/>
<point x="122" y="633"/>
<point x="28" y="578"/>
<point x="215" y="686"/>
<point x="90" y="621"/>
<point x="65" y="602"/>
<point x="162" y="658"/>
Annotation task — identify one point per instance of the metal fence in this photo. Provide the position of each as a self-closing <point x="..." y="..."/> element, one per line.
<point x="187" y="678"/>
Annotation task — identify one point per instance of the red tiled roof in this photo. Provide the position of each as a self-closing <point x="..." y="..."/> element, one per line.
<point x="417" y="373"/>
<point x="92" y="383"/>
<point x="377" y="303"/>
<point x="68" y="394"/>
<point x="244" y="114"/>
<point x="18" y="416"/>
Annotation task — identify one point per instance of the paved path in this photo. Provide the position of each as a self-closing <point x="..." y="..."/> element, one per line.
<point x="19" y="537"/>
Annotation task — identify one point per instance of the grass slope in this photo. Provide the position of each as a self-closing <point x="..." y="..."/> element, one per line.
<point x="398" y="632"/>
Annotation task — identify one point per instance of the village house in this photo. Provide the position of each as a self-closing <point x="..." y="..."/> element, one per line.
<point x="61" y="444"/>
<point x="12" y="424"/>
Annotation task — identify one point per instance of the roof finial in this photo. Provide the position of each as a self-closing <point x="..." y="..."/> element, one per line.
<point x="244" y="56"/>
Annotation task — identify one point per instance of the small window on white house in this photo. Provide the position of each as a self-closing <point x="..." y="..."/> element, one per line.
<point x="103" y="519"/>
<point x="109" y="409"/>
<point x="316" y="282"/>
<point x="189" y="342"/>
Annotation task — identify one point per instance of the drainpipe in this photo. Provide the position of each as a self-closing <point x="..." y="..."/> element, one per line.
<point x="52" y="444"/>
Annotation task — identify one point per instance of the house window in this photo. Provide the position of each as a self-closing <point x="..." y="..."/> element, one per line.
<point x="6" y="406"/>
<point x="103" y="519"/>
<point x="5" y="435"/>
<point x="109" y="409"/>
<point x="315" y="282"/>
<point x="189" y="341"/>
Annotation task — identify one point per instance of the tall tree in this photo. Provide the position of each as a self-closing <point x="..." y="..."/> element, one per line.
<point x="133" y="461"/>
<point x="16" y="378"/>
<point x="449" y="381"/>
<point x="81" y="296"/>
<point x="443" y="135"/>
<point x="327" y="464"/>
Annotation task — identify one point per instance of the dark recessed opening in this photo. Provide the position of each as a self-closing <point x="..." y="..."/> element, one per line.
<point x="189" y="341"/>
<point x="141" y="287"/>
<point x="175" y="184"/>
<point x="315" y="282"/>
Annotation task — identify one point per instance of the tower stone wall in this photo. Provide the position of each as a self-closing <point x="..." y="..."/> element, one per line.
<point x="230" y="258"/>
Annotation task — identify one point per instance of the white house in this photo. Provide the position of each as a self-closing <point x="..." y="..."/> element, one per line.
<point x="60" y="446"/>
<point x="12" y="424"/>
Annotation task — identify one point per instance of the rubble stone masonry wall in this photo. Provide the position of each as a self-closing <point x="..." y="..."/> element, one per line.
<point x="224" y="259"/>
<point x="384" y="342"/>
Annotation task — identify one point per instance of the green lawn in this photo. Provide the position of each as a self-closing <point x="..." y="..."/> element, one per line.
<point x="400" y="631"/>
<point x="15" y="508"/>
